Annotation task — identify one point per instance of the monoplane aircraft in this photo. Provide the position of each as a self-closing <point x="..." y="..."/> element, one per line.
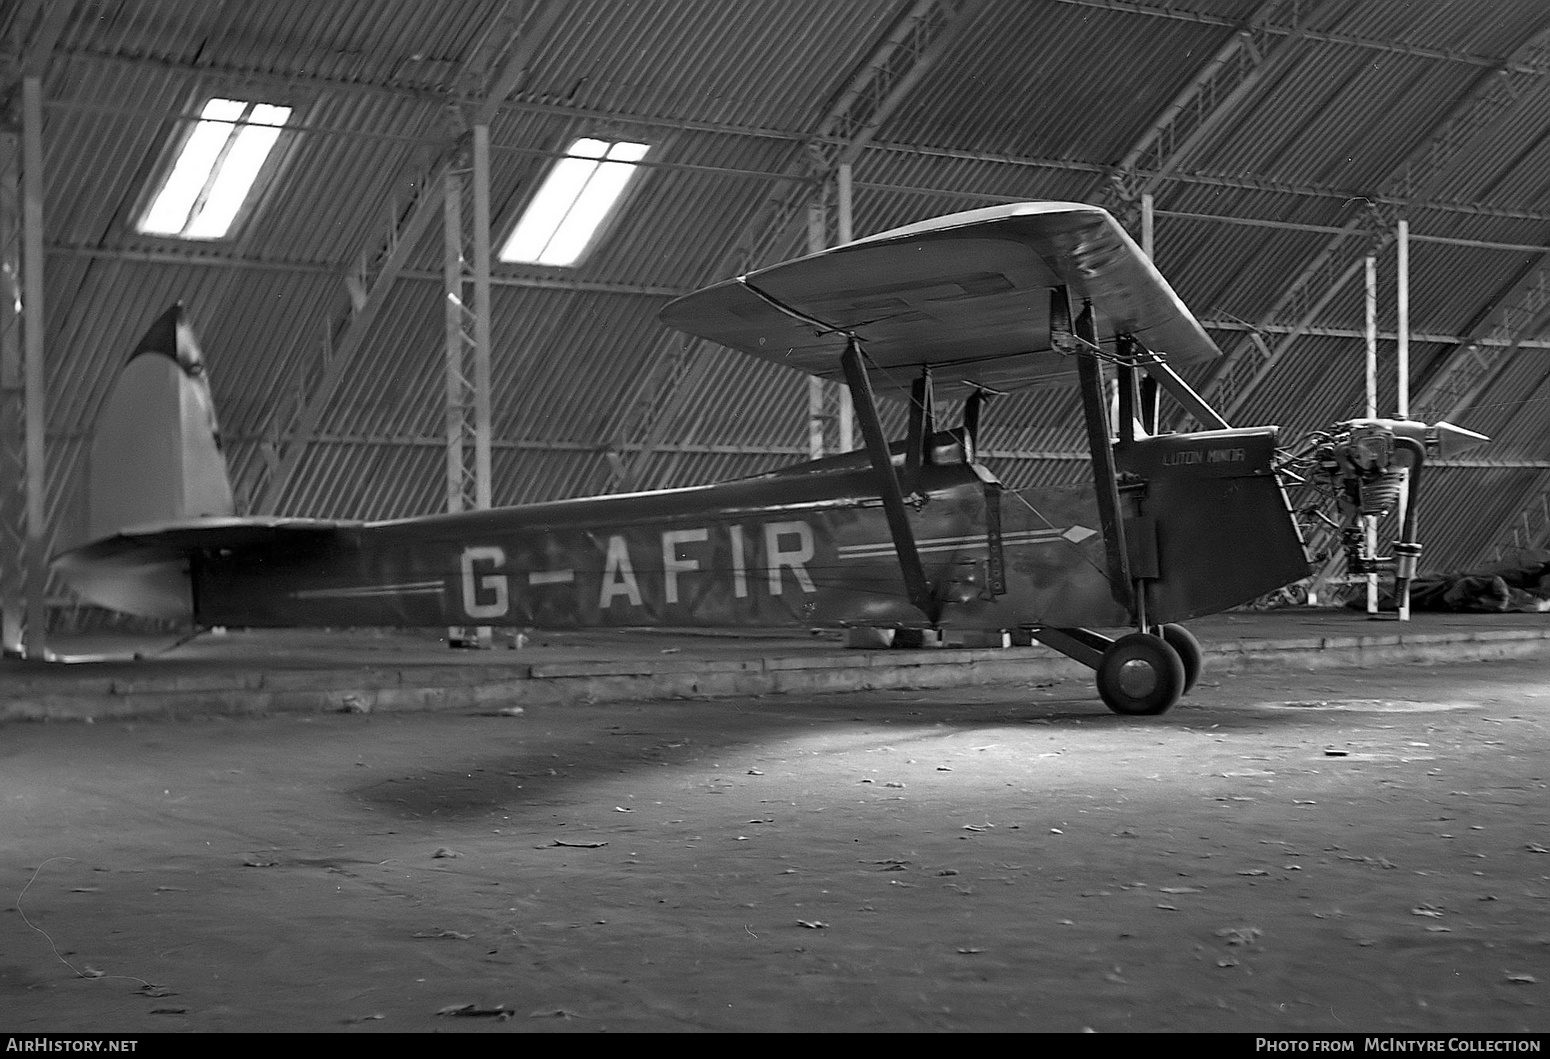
<point x="914" y="534"/>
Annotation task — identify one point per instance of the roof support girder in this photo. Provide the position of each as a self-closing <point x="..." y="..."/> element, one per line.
<point x="373" y="282"/>
<point x="914" y="44"/>
<point x="1531" y="528"/>
<point x="1522" y="312"/>
<point x="1494" y="96"/>
<point x="1216" y="91"/>
<point x="368" y="296"/>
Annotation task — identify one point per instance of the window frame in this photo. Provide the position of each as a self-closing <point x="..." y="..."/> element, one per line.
<point x="605" y="223"/>
<point x="262" y="186"/>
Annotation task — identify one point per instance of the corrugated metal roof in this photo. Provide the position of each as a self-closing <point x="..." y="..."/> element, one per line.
<point x="1022" y="100"/>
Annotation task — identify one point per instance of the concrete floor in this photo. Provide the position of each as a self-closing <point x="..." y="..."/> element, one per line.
<point x="1325" y="836"/>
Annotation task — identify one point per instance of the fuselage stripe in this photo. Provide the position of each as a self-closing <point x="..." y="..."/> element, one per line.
<point x="944" y="544"/>
<point x="411" y="589"/>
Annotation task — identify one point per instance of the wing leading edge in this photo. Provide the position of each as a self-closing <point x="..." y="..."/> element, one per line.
<point x="965" y="294"/>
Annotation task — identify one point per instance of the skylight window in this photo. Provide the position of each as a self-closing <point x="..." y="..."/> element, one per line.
<point x="216" y="170"/>
<point x="574" y="201"/>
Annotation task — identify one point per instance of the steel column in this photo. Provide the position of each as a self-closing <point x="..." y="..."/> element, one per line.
<point x="817" y="227"/>
<point x="1402" y="391"/>
<point x="1369" y="522"/>
<point x="13" y="407"/>
<point x="482" y="338"/>
<point x="1148" y="224"/>
<point x="452" y="305"/>
<point x="844" y="194"/>
<point x="1402" y="301"/>
<point x="25" y="571"/>
<point x="466" y="269"/>
<point x="830" y="410"/>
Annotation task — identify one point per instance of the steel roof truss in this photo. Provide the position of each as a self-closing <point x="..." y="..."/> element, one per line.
<point x="1495" y="95"/>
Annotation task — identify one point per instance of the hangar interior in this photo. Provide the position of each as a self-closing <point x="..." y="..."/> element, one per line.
<point x="385" y="338"/>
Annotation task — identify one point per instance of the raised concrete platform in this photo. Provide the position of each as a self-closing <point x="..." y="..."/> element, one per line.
<point x="265" y="671"/>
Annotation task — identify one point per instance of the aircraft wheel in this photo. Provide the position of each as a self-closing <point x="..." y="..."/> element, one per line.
<point x="1141" y="675"/>
<point x="1183" y="641"/>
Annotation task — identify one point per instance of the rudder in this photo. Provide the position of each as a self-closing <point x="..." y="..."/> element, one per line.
<point x="156" y="453"/>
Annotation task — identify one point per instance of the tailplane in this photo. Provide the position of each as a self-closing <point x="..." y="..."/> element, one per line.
<point x="156" y="454"/>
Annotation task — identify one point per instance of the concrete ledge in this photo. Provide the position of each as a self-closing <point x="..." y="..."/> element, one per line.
<point x="1366" y="651"/>
<point x="643" y="667"/>
<point x="233" y="685"/>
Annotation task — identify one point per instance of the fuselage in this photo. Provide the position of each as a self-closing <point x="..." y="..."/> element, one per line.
<point x="787" y="549"/>
<point x="1206" y="526"/>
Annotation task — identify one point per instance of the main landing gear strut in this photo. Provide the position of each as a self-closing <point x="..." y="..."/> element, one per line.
<point x="1147" y="671"/>
<point x="1139" y="674"/>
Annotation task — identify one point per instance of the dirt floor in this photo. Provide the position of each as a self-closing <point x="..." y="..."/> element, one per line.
<point x="1336" y="851"/>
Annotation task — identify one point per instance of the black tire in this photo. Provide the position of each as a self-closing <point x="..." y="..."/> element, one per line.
<point x="1140" y="675"/>
<point x="1183" y="641"/>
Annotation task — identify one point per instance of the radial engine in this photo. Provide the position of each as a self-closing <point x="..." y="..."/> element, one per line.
<point x="1363" y="469"/>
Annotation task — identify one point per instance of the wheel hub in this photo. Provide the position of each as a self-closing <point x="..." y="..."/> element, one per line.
<point x="1137" y="678"/>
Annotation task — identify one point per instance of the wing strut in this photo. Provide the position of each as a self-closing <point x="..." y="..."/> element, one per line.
<point x="921" y="427"/>
<point x="1127" y="384"/>
<point x="915" y="582"/>
<point x="972" y="409"/>
<point x="1105" y="484"/>
<point x="1185" y="394"/>
<point x="1149" y="405"/>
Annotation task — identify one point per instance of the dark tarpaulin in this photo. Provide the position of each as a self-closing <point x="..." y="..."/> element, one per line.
<point x="1520" y="585"/>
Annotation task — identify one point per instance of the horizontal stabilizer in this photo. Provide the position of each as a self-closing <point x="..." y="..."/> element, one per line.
<point x="964" y="294"/>
<point x="145" y="571"/>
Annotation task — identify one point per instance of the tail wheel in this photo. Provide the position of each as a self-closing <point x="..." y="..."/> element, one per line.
<point x="1183" y="641"/>
<point x="1141" y="675"/>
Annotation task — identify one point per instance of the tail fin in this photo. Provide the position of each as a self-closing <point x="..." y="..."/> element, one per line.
<point x="156" y="454"/>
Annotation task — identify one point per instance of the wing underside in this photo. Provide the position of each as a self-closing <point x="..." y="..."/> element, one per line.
<point x="966" y="295"/>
